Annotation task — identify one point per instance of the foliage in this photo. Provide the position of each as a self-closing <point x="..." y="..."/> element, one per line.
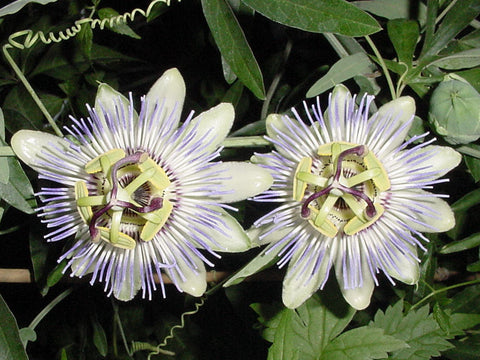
<point x="264" y="56"/>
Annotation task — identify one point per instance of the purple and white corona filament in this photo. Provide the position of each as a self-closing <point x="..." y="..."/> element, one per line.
<point x="141" y="192"/>
<point x="352" y="196"/>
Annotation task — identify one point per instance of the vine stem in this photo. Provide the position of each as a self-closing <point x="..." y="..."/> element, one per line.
<point x="30" y="90"/>
<point x="32" y="37"/>
<point x="276" y="81"/>
<point x="245" y="141"/>
<point x="445" y="11"/>
<point x="49" y="307"/>
<point x="6" y="151"/>
<point x="433" y="293"/>
<point x="383" y="66"/>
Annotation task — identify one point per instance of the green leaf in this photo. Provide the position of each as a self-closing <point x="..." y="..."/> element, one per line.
<point x="18" y="189"/>
<point x="2" y="126"/>
<point x="56" y="64"/>
<point x="427" y="271"/>
<point x="228" y="74"/>
<point x="38" y="254"/>
<point x="342" y="70"/>
<point x="457" y="18"/>
<point x="363" y="343"/>
<point x="20" y="110"/>
<point x="233" y="45"/>
<point x="461" y="60"/>
<point x="349" y="45"/>
<point x="466" y="301"/>
<point x="304" y="332"/>
<point x="319" y="16"/>
<point x="404" y="36"/>
<point x="16" y="6"/>
<point x="474" y="267"/>
<point x="473" y="165"/>
<point x="263" y="260"/>
<point x="85" y="40"/>
<point x="460" y="322"/>
<point x="99" y="337"/>
<point x="442" y="318"/>
<point x="269" y="315"/>
<point x="392" y="9"/>
<point x="417" y="328"/>
<point x="467" y="201"/>
<point x="461" y="245"/>
<point x="472" y="76"/>
<point x="472" y="39"/>
<point x="11" y="347"/>
<point x="233" y="94"/>
<point x="5" y="172"/>
<point x="467" y="349"/>
<point x="64" y="354"/>
<point x="118" y="27"/>
<point x="56" y="274"/>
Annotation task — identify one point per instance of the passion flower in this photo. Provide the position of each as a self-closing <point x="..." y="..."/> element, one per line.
<point x="140" y="193"/>
<point x="352" y="195"/>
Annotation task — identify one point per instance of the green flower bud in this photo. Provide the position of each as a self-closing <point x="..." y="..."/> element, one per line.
<point x="455" y="110"/>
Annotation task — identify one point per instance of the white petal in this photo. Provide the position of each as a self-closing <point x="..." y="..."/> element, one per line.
<point x="193" y="282"/>
<point x="127" y="292"/>
<point x="212" y="126"/>
<point x="289" y="136"/>
<point x="400" y="110"/>
<point x="274" y="125"/>
<point x="271" y="237"/>
<point x="231" y="237"/>
<point x="28" y="145"/>
<point x="244" y="180"/>
<point x="359" y="297"/>
<point x="299" y="283"/>
<point x="440" y="218"/>
<point x="406" y="268"/>
<point x="107" y="99"/>
<point x="169" y="92"/>
<point x="337" y="108"/>
<point x="444" y="159"/>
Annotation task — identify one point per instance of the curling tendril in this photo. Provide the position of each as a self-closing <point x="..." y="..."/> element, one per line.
<point x="31" y="37"/>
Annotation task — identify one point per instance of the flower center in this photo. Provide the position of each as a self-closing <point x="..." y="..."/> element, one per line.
<point x="128" y="197"/>
<point x="340" y="188"/>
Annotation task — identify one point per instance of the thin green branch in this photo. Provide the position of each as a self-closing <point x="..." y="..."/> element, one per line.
<point x="49" y="307"/>
<point x="383" y="66"/>
<point x="10" y="230"/>
<point x="245" y="141"/>
<point x="438" y="291"/>
<point x="444" y="12"/>
<point x="118" y="321"/>
<point x="336" y="45"/>
<point x="275" y="81"/>
<point x="30" y="90"/>
<point x="6" y="151"/>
